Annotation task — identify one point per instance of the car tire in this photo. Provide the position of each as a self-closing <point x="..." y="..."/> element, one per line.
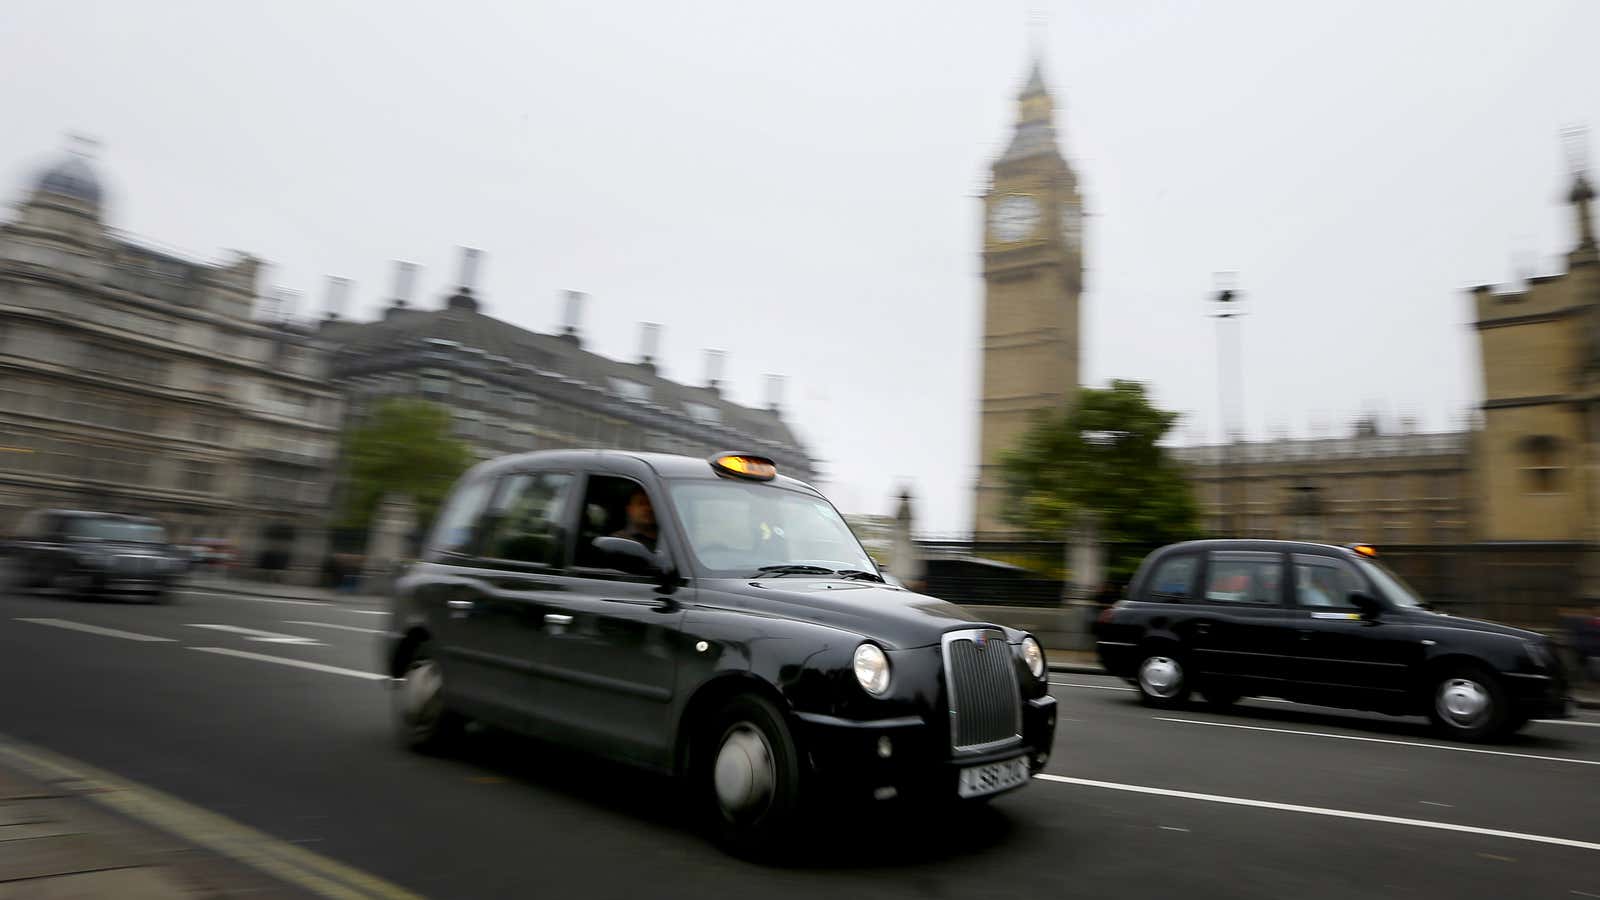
<point x="424" y="722"/>
<point x="748" y="777"/>
<point x="1162" y="678"/>
<point x="1468" y="703"/>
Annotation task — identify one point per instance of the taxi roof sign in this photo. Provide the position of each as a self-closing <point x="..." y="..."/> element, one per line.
<point x="1366" y="550"/>
<point x="743" y="465"/>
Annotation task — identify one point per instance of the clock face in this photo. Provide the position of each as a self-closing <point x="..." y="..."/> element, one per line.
<point x="1072" y="223"/>
<point x="1013" y="218"/>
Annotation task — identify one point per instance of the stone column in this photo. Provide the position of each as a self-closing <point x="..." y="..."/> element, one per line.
<point x="1086" y="570"/>
<point x="307" y="554"/>
<point x="904" y="561"/>
<point x="387" y="540"/>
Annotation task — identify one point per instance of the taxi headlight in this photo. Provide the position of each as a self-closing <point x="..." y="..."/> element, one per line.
<point x="1033" y="654"/>
<point x="872" y="669"/>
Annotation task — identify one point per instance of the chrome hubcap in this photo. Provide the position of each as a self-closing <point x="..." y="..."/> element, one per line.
<point x="1161" y="676"/>
<point x="745" y="773"/>
<point x="421" y="690"/>
<point x="1463" y="702"/>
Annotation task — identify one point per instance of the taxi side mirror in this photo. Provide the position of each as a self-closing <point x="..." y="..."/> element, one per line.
<point x="1366" y="603"/>
<point x="628" y="556"/>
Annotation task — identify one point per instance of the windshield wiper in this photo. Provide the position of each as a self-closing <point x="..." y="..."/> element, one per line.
<point x="788" y="569"/>
<point x="860" y="575"/>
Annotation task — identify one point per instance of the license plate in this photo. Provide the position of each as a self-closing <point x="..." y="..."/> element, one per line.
<point x="978" y="781"/>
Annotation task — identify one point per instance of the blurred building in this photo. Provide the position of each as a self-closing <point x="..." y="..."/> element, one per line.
<point x="137" y="381"/>
<point x="1033" y="278"/>
<point x="1388" y="489"/>
<point x="1540" y="349"/>
<point x="513" y="390"/>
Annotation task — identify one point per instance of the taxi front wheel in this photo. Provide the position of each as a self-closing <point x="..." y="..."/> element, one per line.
<point x="1163" y="680"/>
<point x="748" y="776"/>
<point x="423" y="722"/>
<point x="1468" y="703"/>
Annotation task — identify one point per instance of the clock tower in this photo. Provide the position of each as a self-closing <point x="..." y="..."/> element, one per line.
<point x="1032" y="278"/>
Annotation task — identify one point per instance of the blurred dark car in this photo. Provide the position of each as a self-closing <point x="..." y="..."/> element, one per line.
<point x="1326" y="625"/>
<point x="1584" y="632"/>
<point x="80" y="553"/>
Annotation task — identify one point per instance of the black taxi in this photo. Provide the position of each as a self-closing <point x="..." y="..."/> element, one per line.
<point x="1325" y="625"/>
<point x="712" y="619"/>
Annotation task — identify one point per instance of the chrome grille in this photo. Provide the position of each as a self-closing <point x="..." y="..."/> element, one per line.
<point x="981" y="680"/>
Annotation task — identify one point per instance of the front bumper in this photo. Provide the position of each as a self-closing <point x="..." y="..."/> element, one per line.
<point x="847" y="754"/>
<point x="1539" y="696"/>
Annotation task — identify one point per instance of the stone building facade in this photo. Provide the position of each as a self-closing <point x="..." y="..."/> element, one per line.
<point x="1033" y="279"/>
<point x="137" y="381"/>
<point x="1386" y="489"/>
<point x="513" y="390"/>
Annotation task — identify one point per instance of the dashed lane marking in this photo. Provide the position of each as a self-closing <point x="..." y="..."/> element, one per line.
<point x="1373" y="740"/>
<point x="297" y="663"/>
<point x="339" y="627"/>
<point x="1323" y="811"/>
<point x="96" y="629"/>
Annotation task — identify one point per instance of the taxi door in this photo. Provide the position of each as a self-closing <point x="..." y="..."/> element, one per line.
<point x="1336" y="649"/>
<point x="1236" y="630"/>
<point x="608" y="643"/>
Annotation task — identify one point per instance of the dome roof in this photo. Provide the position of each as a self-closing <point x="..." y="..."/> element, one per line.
<point x="72" y="177"/>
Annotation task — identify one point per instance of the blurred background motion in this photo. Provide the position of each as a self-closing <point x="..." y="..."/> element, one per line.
<point x="1028" y="290"/>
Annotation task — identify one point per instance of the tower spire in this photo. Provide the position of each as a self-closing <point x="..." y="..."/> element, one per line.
<point x="1581" y="196"/>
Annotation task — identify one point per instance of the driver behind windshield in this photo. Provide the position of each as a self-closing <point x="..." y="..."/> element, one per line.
<point x="641" y="524"/>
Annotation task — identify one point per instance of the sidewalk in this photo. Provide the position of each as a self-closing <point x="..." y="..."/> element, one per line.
<point x="57" y="845"/>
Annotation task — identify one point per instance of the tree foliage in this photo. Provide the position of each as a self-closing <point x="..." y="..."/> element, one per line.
<point x="403" y="446"/>
<point x="1102" y="458"/>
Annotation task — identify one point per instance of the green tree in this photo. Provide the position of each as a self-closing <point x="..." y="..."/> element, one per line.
<point x="1102" y="458"/>
<point x="403" y="446"/>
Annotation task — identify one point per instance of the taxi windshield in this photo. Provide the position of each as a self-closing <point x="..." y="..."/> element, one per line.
<point x="1398" y="592"/>
<point x="740" y="529"/>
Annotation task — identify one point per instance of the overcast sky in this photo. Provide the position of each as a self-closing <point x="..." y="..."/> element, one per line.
<point x="797" y="183"/>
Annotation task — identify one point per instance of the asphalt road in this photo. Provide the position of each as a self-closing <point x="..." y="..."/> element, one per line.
<point x="275" y="727"/>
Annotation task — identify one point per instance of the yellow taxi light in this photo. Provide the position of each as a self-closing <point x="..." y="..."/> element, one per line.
<point x="753" y="467"/>
<point x="1365" y="550"/>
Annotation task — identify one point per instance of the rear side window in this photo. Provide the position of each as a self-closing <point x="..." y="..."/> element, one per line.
<point x="458" y="521"/>
<point x="1245" y="577"/>
<point x="1173" y="578"/>
<point x="525" y="522"/>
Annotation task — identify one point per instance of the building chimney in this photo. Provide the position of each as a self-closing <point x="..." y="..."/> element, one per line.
<point x="714" y="360"/>
<point x="571" y="315"/>
<point x="649" y="343"/>
<point x="774" y="392"/>
<point x="405" y="281"/>
<point x="463" y="299"/>
<point x="338" y="295"/>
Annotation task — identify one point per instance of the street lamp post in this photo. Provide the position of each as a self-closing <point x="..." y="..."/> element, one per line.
<point x="1226" y="306"/>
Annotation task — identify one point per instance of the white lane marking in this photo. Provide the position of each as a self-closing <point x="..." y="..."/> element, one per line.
<point x="1174" y="828"/>
<point x="297" y="663"/>
<point x="96" y="629"/>
<point x="1373" y="740"/>
<point x="1097" y="687"/>
<point x="320" y="604"/>
<point x="1432" y="803"/>
<point x="1567" y="722"/>
<point x="1322" y="811"/>
<point x="265" y="637"/>
<point x="340" y="627"/>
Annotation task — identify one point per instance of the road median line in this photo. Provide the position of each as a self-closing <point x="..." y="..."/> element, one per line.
<point x="279" y="859"/>
<point x="1322" y="811"/>
<point x="1374" y="740"/>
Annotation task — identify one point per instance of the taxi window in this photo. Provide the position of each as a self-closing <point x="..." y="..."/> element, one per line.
<point x="458" y="522"/>
<point x="1322" y="582"/>
<point x="1173" y="578"/>
<point x="1244" y="577"/>
<point x="524" y="523"/>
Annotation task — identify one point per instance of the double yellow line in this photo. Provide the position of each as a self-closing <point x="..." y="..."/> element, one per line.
<point x="279" y="859"/>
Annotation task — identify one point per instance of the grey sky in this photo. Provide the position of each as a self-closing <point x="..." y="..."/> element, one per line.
<point x="796" y="183"/>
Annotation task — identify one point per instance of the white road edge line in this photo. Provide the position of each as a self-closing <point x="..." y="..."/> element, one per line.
<point x="96" y="629"/>
<point x="1323" y="811"/>
<point x="297" y="663"/>
<point x="1373" y="740"/>
<point x="340" y="627"/>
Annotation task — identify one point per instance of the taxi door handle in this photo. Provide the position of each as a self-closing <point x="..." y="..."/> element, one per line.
<point x="557" y="619"/>
<point x="459" y="604"/>
<point x="1202" y="627"/>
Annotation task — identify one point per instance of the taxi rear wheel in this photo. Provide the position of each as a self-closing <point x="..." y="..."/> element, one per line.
<point x="423" y="721"/>
<point x="1468" y="703"/>
<point x="747" y="779"/>
<point x="1162" y="678"/>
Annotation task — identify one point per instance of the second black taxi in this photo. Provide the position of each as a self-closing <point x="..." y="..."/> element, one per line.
<point x="711" y="619"/>
<point x="1324" y="625"/>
